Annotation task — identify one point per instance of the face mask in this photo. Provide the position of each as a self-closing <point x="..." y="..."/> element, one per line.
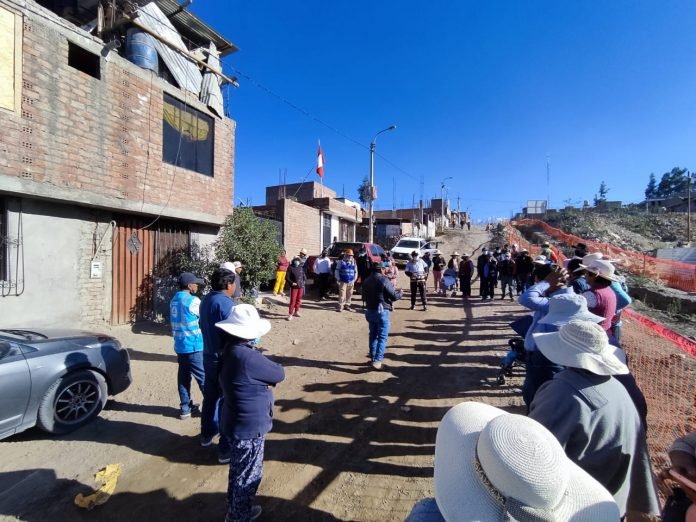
<point x="295" y="263"/>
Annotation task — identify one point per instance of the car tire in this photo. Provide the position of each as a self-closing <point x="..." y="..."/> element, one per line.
<point x="72" y="401"/>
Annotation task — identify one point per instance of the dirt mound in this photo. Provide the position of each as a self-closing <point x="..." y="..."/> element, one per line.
<point x="626" y="229"/>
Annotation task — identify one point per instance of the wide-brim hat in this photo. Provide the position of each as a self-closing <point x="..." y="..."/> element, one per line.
<point x="455" y="254"/>
<point x="599" y="267"/>
<point x="244" y="322"/>
<point x="584" y="345"/>
<point x="564" y="308"/>
<point x="492" y="465"/>
<point x="541" y="260"/>
<point x="303" y="251"/>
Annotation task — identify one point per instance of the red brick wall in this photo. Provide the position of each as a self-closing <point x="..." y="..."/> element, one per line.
<point x="302" y="228"/>
<point x="304" y="192"/>
<point x="99" y="141"/>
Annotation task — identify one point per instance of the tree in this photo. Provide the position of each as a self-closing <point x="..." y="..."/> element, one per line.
<point x="673" y="182"/>
<point x="364" y="195"/>
<point x="651" y="189"/>
<point x="602" y="196"/>
<point x="253" y="241"/>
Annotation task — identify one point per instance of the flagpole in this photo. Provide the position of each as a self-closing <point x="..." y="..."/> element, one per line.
<point x="321" y="178"/>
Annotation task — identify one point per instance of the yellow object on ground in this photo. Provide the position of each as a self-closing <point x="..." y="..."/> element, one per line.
<point x="108" y="476"/>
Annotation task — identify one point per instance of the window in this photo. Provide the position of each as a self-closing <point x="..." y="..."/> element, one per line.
<point x="187" y="137"/>
<point x="10" y="60"/>
<point x="82" y="60"/>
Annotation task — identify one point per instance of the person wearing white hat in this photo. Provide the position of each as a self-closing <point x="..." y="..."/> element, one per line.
<point x="246" y="377"/>
<point x="548" y="282"/>
<point x="592" y="415"/>
<point x="601" y="299"/>
<point x="491" y="465"/>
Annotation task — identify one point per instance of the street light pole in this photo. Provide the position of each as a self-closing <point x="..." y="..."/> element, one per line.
<point x="373" y="145"/>
<point x="688" y="210"/>
<point x="442" y="201"/>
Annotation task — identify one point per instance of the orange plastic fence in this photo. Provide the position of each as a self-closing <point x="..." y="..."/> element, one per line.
<point x="671" y="273"/>
<point x="662" y="360"/>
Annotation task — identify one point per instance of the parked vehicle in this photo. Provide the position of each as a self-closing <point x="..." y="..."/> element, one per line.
<point x="57" y="380"/>
<point x="374" y="252"/>
<point x="406" y="245"/>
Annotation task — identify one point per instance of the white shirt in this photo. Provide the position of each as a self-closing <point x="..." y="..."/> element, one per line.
<point x="322" y="265"/>
<point x="418" y="267"/>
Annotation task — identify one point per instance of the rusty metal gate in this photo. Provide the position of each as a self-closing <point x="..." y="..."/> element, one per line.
<point x="137" y="254"/>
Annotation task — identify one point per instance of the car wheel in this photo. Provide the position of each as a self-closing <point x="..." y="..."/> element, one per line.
<point x="72" y="401"/>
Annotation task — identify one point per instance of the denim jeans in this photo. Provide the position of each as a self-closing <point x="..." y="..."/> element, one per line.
<point x="539" y="370"/>
<point x="212" y="402"/>
<point x="379" y="331"/>
<point x="190" y="365"/>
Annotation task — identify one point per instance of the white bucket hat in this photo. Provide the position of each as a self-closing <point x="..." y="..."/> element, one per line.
<point x="600" y="267"/>
<point x="491" y="465"/>
<point x="244" y="322"/>
<point x="568" y="307"/>
<point x="584" y="345"/>
<point x="541" y="260"/>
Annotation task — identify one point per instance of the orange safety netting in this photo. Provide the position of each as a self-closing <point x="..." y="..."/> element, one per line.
<point x="672" y="273"/>
<point x="662" y="361"/>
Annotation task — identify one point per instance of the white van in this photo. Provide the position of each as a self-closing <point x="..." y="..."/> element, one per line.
<point x="402" y="250"/>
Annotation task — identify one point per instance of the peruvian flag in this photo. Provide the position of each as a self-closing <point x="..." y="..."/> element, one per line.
<point x="320" y="162"/>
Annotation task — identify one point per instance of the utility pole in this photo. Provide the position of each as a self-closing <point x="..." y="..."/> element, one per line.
<point x="688" y="210"/>
<point x="548" y="184"/>
<point x="373" y="145"/>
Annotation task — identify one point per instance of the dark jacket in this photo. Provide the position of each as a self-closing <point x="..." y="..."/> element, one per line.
<point x="377" y="290"/>
<point x="524" y="264"/>
<point x="480" y="263"/>
<point x="296" y="274"/>
<point x="439" y="263"/>
<point x="245" y="378"/>
<point x="215" y="307"/>
<point x="466" y="269"/>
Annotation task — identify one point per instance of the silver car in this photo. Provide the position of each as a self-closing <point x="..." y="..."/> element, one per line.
<point x="57" y="380"/>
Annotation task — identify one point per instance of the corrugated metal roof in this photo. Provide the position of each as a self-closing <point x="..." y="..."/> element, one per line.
<point x="211" y="94"/>
<point x="194" y="28"/>
<point x="185" y="72"/>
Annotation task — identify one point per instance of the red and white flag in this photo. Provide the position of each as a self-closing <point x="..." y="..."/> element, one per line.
<point x="320" y="162"/>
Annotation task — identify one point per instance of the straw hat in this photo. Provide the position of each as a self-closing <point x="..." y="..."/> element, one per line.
<point x="600" y="267"/>
<point x="491" y="465"/>
<point x="568" y="307"/>
<point x="303" y="251"/>
<point x="244" y="322"/>
<point x="584" y="345"/>
<point x="455" y="254"/>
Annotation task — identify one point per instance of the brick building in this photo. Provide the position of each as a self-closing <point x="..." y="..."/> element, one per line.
<point x="310" y="216"/>
<point x="106" y="169"/>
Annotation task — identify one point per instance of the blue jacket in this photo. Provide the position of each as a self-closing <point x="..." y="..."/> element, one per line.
<point x="245" y="378"/>
<point x="215" y="307"/>
<point x="183" y="316"/>
<point x="534" y="299"/>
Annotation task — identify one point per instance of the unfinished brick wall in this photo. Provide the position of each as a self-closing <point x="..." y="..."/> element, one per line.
<point x="99" y="141"/>
<point x="303" y="192"/>
<point x="302" y="227"/>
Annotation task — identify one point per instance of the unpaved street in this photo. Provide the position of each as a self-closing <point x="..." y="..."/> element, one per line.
<point x="348" y="442"/>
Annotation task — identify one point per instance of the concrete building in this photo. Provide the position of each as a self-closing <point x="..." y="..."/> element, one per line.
<point x="107" y="169"/>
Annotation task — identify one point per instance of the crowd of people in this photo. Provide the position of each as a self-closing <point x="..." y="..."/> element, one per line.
<point x="585" y="412"/>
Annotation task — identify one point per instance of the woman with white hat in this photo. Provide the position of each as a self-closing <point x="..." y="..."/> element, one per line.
<point x="491" y="465"/>
<point x="245" y="378"/>
<point x="601" y="299"/>
<point x="592" y="415"/>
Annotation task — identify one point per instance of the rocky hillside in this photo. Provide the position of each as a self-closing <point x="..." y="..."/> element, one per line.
<point x="630" y="230"/>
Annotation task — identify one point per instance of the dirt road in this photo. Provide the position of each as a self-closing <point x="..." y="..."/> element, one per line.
<point x="348" y="442"/>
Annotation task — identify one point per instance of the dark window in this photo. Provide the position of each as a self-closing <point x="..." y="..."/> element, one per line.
<point x="187" y="137"/>
<point x="326" y="230"/>
<point x="4" y="241"/>
<point x="82" y="60"/>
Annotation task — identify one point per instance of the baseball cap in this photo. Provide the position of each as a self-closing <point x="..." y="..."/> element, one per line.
<point x="187" y="278"/>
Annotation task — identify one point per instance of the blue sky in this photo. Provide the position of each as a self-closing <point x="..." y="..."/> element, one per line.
<point x="480" y="91"/>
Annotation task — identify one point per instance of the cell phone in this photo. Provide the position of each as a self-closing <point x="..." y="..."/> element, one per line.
<point x="682" y="479"/>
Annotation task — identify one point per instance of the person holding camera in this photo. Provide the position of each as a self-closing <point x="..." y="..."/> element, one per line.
<point x="417" y="271"/>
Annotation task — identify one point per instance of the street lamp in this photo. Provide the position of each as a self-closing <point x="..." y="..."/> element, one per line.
<point x="442" y="201"/>
<point x="373" y="144"/>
